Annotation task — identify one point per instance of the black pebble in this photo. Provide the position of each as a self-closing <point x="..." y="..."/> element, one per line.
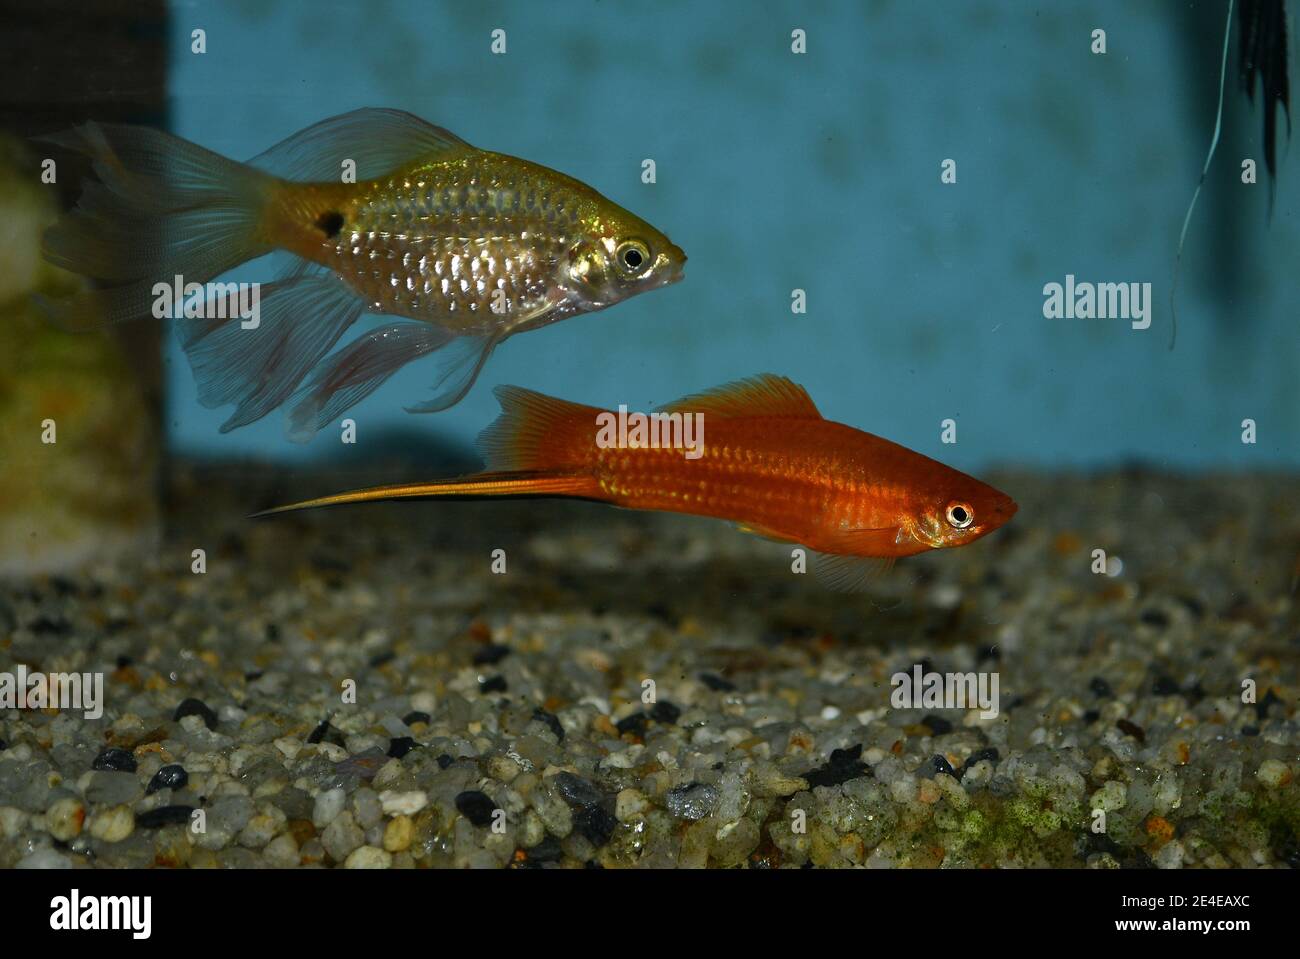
<point x="1100" y="687"/>
<point x="444" y="761"/>
<point x="548" y="850"/>
<point x="717" y="683"/>
<point x="937" y="725"/>
<point x="169" y="777"/>
<point x="551" y="720"/>
<point x="325" y="733"/>
<point x="493" y="684"/>
<point x="595" y="824"/>
<point x="272" y="633"/>
<point x="254" y="676"/>
<point x="989" y="753"/>
<point x="63" y="586"/>
<point x="665" y="712"/>
<point x="382" y="659"/>
<point x="1155" y="617"/>
<point x="399" y="747"/>
<point x="1164" y="686"/>
<point x="1137" y="859"/>
<point x="987" y="652"/>
<point x="843" y="765"/>
<point x="45" y="626"/>
<point x="491" y="654"/>
<point x="417" y="717"/>
<point x="1288" y="850"/>
<point x="3" y="745"/>
<point x="115" y="760"/>
<point x="476" y="807"/>
<point x="1100" y="842"/>
<point x="1261" y="708"/>
<point x="576" y="791"/>
<point x="164" y="816"/>
<point x="196" y="707"/>
<point x="635" y="724"/>
<point x="941" y="765"/>
<point x="123" y="662"/>
<point x="1091" y="716"/>
<point x="1245" y="731"/>
<point x="1132" y="729"/>
<point x="662" y="612"/>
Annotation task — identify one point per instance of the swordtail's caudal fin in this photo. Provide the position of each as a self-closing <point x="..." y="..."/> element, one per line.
<point x="161" y="207"/>
<point x="538" y="446"/>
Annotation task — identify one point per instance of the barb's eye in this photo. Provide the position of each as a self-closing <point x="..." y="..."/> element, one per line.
<point x="632" y="256"/>
<point x="960" y="515"/>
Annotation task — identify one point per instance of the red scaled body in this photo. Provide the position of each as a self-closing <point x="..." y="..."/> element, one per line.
<point x="756" y="452"/>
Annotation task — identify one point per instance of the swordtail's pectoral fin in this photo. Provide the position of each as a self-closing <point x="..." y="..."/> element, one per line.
<point x="850" y="559"/>
<point x="849" y="574"/>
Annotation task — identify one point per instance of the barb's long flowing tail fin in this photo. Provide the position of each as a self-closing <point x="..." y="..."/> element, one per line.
<point x="162" y="207"/>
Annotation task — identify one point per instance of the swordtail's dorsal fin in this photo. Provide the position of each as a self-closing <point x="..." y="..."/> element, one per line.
<point x="764" y="395"/>
<point x="377" y="140"/>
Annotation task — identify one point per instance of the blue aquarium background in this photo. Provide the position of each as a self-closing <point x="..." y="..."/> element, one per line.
<point x="821" y="172"/>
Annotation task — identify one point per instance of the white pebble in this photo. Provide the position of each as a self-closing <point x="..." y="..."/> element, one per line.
<point x="1170" y="855"/>
<point x="114" y="824"/>
<point x="403" y="804"/>
<point x="328" y="806"/>
<point x="45" y="859"/>
<point x="369" y="857"/>
<point x="1273" y="773"/>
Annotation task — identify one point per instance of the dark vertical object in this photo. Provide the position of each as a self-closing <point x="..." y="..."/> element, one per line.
<point x="1224" y="231"/>
<point x="1263" y="49"/>
<point x="69" y="61"/>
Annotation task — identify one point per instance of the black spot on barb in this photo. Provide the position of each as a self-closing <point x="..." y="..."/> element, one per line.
<point x="330" y="222"/>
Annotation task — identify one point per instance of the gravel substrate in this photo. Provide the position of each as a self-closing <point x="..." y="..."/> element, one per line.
<point x="499" y="719"/>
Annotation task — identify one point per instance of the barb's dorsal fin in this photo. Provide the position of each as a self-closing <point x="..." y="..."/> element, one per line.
<point x="764" y="395"/>
<point x="378" y="140"/>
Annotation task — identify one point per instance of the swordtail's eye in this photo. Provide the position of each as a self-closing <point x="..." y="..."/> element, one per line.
<point x="960" y="515"/>
<point x="632" y="256"/>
